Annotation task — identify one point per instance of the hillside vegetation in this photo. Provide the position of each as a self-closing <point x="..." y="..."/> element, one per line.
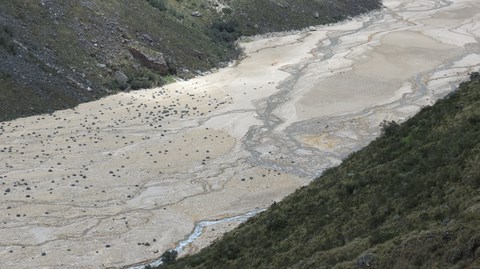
<point x="57" y="54"/>
<point x="410" y="199"/>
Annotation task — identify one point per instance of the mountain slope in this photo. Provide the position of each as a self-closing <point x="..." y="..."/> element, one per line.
<point x="254" y="16"/>
<point x="57" y="54"/>
<point x="408" y="200"/>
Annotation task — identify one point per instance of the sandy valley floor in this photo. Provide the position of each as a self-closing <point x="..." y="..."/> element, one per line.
<point x="118" y="181"/>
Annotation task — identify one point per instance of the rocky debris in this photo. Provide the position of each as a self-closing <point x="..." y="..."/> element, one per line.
<point x="150" y="58"/>
<point x="473" y="245"/>
<point x="312" y="28"/>
<point x="147" y="37"/>
<point x="454" y="255"/>
<point x="365" y="261"/>
<point x="196" y="14"/>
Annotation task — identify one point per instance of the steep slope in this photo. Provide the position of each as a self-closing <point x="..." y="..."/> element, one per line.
<point x="408" y="200"/>
<point x="263" y="16"/>
<point x="57" y="54"/>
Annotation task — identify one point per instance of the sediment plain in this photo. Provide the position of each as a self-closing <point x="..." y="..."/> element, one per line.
<point x="118" y="181"/>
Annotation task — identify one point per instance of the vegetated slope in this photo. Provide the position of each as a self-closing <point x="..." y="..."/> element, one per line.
<point x="261" y="16"/>
<point x="410" y="199"/>
<point x="56" y="54"/>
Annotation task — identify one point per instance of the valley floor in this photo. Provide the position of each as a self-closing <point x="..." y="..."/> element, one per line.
<point x="120" y="180"/>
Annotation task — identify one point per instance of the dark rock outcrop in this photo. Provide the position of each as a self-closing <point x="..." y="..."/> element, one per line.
<point x="151" y="59"/>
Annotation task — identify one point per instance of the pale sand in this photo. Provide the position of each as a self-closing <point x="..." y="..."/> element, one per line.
<point x="400" y="55"/>
<point x="145" y="167"/>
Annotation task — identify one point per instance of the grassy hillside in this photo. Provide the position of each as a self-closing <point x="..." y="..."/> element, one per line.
<point x="411" y="199"/>
<point x="260" y="16"/>
<point x="56" y="54"/>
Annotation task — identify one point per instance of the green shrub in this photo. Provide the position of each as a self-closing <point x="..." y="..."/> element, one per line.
<point x="169" y="256"/>
<point x="227" y="10"/>
<point x="144" y="79"/>
<point x="158" y="4"/>
<point x="389" y="127"/>
<point x="6" y="40"/>
<point x="224" y="31"/>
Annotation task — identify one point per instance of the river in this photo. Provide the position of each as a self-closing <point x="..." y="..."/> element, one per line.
<point x="120" y="180"/>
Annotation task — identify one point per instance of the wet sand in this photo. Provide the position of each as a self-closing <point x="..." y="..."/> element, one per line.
<point x="120" y="180"/>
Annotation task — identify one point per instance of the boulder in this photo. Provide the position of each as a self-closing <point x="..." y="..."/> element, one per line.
<point x="147" y="37"/>
<point x="151" y="59"/>
<point x="312" y="28"/>
<point x="196" y="14"/>
<point x="120" y="78"/>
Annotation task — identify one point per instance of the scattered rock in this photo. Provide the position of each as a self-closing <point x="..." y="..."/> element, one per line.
<point x="454" y="255"/>
<point x="312" y="28"/>
<point x="473" y="246"/>
<point x="196" y="14"/>
<point x="365" y="261"/>
<point x="147" y="37"/>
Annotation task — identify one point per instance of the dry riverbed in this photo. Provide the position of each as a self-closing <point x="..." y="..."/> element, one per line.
<point x="120" y="180"/>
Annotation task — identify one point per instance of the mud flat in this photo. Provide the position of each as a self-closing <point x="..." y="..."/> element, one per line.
<point x="118" y="181"/>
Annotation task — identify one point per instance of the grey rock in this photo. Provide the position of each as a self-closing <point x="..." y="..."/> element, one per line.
<point x="312" y="28"/>
<point x="120" y="78"/>
<point x="147" y="37"/>
<point x="196" y="14"/>
<point x="365" y="261"/>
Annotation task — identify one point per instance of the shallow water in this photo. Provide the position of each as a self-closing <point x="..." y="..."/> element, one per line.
<point x="91" y="186"/>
